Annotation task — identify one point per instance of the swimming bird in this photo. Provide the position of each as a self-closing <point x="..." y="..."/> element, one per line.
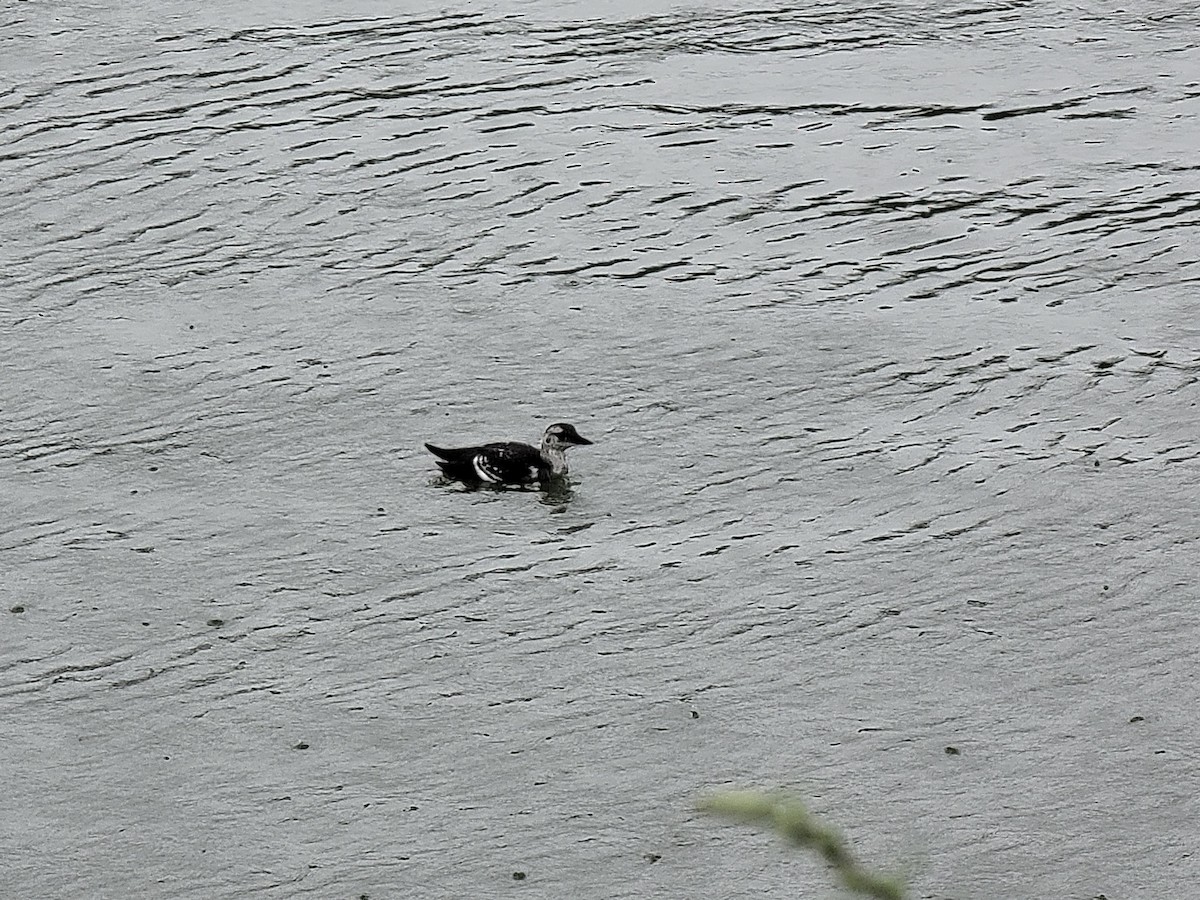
<point x="510" y="462"/>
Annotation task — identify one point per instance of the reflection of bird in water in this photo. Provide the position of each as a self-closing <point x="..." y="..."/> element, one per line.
<point x="510" y="462"/>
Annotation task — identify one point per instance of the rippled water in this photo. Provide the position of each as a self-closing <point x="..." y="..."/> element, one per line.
<point x="882" y="318"/>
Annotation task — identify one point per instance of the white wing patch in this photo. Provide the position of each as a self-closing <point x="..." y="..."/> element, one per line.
<point x="479" y="462"/>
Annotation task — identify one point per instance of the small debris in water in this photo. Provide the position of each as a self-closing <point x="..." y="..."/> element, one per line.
<point x="18" y="609"/>
<point x="518" y="876"/>
<point x="214" y="623"/>
<point x="1137" y="719"/>
<point x="302" y="746"/>
<point x="952" y="751"/>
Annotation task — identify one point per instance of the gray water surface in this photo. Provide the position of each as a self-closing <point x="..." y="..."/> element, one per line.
<point x="882" y="319"/>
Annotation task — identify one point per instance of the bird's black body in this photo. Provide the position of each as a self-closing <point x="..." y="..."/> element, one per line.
<point x="502" y="462"/>
<point x="509" y="462"/>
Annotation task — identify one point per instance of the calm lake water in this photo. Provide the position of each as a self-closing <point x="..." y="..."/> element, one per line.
<point x="883" y="320"/>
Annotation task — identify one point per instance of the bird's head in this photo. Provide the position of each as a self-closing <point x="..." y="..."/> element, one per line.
<point x="560" y="434"/>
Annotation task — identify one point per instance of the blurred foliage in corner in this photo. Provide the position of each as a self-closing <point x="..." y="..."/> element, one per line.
<point x="792" y="819"/>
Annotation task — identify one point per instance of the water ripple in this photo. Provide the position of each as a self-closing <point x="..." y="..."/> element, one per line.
<point x="880" y="317"/>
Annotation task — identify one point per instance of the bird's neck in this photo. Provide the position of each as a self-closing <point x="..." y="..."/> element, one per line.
<point x="555" y="456"/>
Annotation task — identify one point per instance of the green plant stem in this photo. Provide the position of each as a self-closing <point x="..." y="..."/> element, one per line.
<point x="792" y="819"/>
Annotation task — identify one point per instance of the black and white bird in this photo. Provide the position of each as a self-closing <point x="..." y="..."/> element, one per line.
<point x="509" y="463"/>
